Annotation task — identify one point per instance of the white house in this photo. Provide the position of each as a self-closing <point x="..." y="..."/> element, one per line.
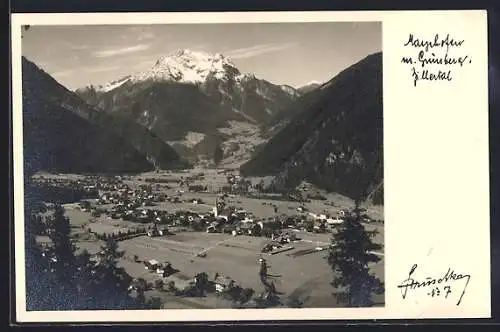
<point x="151" y="264"/>
<point x="313" y="215"/>
<point x="223" y="283"/>
<point x="334" y="221"/>
<point x="247" y="220"/>
<point x="223" y="216"/>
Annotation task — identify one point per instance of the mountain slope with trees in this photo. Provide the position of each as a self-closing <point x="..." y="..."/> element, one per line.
<point x="63" y="133"/>
<point x="335" y="138"/>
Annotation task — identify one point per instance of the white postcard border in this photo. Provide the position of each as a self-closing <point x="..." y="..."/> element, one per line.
<point x="400" y="230"/>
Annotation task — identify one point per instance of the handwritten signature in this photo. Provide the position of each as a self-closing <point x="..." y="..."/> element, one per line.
<point x="449" y="276"/>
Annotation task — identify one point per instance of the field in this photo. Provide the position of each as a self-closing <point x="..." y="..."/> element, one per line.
<point x="301" y="273"/>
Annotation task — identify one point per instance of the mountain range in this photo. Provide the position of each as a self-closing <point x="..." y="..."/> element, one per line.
<point x="193" y="100"/>
<point x="189" y="104"/>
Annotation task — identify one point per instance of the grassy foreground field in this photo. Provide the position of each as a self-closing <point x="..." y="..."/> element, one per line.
<point x="305" y="277"/>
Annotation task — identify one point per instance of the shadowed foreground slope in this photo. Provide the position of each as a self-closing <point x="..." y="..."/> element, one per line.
<point x="62" y="133"/>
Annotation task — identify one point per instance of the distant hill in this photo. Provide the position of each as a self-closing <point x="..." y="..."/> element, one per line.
<point x="335" y="138"/>
<point x="308" y="87"/>
<point x="62" y="133"/>
<point x="191" y="94"/>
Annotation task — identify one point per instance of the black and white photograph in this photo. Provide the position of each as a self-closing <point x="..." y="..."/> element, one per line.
<point x="203" y="166"/>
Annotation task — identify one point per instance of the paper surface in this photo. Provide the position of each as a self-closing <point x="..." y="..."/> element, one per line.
<point x="436" y="165"/>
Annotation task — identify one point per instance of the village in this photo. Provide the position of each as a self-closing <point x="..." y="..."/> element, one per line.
<point x="200" y="239"/>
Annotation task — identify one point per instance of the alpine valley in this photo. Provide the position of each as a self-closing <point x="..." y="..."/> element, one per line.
<point x="190" y="104"/>
<point x="196" y="102"/>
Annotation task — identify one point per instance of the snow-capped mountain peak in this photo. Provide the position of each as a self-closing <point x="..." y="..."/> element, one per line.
<point x="188" y="66"/>
<point x="184" y="66"/>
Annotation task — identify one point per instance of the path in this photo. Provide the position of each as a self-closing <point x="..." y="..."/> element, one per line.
<point x="205" y="250"/>
<point x="328" y="244"/>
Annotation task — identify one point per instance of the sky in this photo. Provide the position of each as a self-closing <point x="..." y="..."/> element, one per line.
<point x="282" y="53"/>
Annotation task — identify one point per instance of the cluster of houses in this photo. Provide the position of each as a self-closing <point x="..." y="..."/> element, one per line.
<point x="162" y="269"/>
<point x="167" y="275"/>
<point x="121" y="194"/>
<point x="136" y="205"/>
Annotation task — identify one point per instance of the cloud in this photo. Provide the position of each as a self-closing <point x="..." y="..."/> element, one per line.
<point x="93" y="70"/>
<point x="102" y="69"/>
<point x="71" y="45"/>
<point x="64" y="73"/>
<point x="120" y="51"/>
<point x="253" y="51"/>
<point x="143" y="64"/>
<point x="146" y="36"/>
<point x="139" y="33"/>
<point x="79" y="47"/>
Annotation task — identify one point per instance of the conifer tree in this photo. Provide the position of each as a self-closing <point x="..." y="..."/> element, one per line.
<point x="38" y="285"/>
<point x="111" y="280"/>
<point x="218" y="154"/>
<point x="62" y="246"/>
<point x="350" y="254"/>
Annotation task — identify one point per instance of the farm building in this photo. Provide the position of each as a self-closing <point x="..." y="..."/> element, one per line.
<point x="223" y="283"/>
<point x="152" y="264"/>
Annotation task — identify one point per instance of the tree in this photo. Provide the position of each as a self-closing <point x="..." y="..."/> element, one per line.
<point x="260" y="186"/>
<point x="246" y="295"/>
<point x="350" y="254"/>
<point x="85" y="205"/>
<point x="159" y="284"/>
<point x="111" y="282"/>
<point x="201" y="283"/>
<point x="39" y="285"/>
<point x="171" y="287"/>
<point x="63" y="248"/>
<point x="218" y="154"/>
<point x="155" y="303"/>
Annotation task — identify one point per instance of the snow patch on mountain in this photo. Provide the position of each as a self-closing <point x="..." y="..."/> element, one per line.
<point x="113" y="85"/>
<point x="313" y="82"/>
<point x="288" y="89"/>
<point x="190" y="140"/>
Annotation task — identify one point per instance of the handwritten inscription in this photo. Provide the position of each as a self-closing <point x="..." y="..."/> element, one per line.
<point x="441" y="286"/>
<point x="435" y="59"/>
